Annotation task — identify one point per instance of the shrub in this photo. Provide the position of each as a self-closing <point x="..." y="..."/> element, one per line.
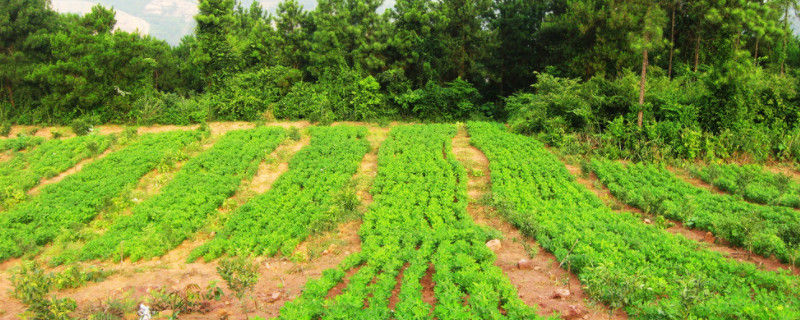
<point x="81" y="127"/>
<point x="5" y="129"/>
<point x="240" y="274"/>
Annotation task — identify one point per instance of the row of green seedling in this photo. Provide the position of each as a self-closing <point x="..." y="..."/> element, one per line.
<point x="765" y="230"/>
<point x="417" y="225"/>
<point x="752" y="182"/>
<point x="186" y="203"/>
<point x="25" y="170"/>
<point x="301" y="202"/>
<point x="76" y="200"/>
<point x="647" y="271"/>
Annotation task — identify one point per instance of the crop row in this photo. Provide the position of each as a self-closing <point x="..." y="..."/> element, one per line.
<point x="25" y="170"/>
<point x="78" y="198"/>
<point x="184" y="205"/>
<point x="765" y="230"/>
<point x="20" y="143"/>
<point x="753" y="183"/>
<point x="649" y="272"/>
<point x="299" y="203"/>
<point x="417" y="225"/>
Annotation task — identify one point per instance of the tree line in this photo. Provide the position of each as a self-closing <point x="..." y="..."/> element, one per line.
<point x="674" y="70"/>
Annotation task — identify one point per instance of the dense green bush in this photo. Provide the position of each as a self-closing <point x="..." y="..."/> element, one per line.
<point x="81" y="127"/>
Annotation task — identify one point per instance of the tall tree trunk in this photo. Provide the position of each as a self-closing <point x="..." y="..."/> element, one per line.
<point x="785" y="38"/>
<point x="697" y="53"/>
<point x="671" y="43"/>
<point x="642" y="83"/>
<point x="10" y="92"/>
<point x="755" y="61"/>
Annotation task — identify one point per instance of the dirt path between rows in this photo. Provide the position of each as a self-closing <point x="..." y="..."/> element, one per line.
<point x="216" y="128"/>
<point x="705" y="239"/>
<point x="536" y="286"/>
<point x="282" y="278"/>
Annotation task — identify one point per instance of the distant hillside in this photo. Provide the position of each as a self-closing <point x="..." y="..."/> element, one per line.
<point x="164" y="19"/>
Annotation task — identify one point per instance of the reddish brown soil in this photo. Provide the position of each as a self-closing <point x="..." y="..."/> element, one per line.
<point x="705" y="239"/>
<point x="368" y="169"/>
<point x="9" y="306"/>
<point x="269" y="172"/>
<point x="784" y="169"/>
<point x="216" y="128"/>
<point x="536" y="286"/>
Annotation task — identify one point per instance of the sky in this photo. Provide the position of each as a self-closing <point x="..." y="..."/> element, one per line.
<point x="164" y="19"/>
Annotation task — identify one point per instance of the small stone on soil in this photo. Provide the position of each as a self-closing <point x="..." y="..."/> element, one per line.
<point x="525" y="264"/>
<point x="647" y="221"/>
<point x="494" y="245"/>
<point x="275" y="296"/>
<point x="561" y="293"/>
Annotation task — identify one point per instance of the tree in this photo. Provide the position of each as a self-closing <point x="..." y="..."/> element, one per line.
<point x="647" y="40"/>
<point x="412" y="45"/>
<point x="19" y="21"/>
<point x="293" y="27"/>
<point x="214" y="57"/>
<point x="517" y="51"/>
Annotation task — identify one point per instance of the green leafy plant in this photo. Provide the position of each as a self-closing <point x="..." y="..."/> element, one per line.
<point x="32" y="284"/>
<point x="81" y="127"/>
<point x="5" y="129"/>
<point x="547" y="200"/>
<point x="294" y="133"/>
<point x="239" y="273"/>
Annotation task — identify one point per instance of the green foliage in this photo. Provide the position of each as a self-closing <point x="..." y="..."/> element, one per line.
<point x="5" y="128"/>
<point x="183" y="206"/>
<point x="192" y="299"/>
<point x="417" y="225"/>
<point x="456" y="101"/>
<point x="81" y="127"/>
<point x="663" y="275"/>
<point x="765" y="230"/>
<point x="26" y="170"/>
<point x="299" y="203"/>
<point x="20" y="143"/>
<point x="240" y="274"/>
<point x="753" y="183"/>
<point x="294" y="133"/>
<point x="32" y="285"/>
<point x="78" y="198"/>
<point x="249" y="95"/>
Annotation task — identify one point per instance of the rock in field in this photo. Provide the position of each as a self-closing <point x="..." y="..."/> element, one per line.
<point x="494" y="245"/>
<point x="525" y="264"/>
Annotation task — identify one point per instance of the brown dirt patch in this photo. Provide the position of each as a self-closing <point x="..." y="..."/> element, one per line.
<point x="269" y="172"/>
<point x="134" y="281"/>
<point x="368" y="169"/>
<point x="35" y="190"/>
<point x="535" y="286"/>
<point x="9" y="306"/>
<point x="704" y="238"/>
<point x="428" y="295"/>
<point x="5" y="156"/>
<point x="785" y="170"/>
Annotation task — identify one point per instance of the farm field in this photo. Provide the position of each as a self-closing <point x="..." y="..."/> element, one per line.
<point x="361" y="221"/>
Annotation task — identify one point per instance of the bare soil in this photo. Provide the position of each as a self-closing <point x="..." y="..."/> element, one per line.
<point x="784" y="169"/>
<point x="706" y="239"/>
<point x="216" y="128"/>
<point x="271" y="168"/>
<point x="536" y="286"/>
